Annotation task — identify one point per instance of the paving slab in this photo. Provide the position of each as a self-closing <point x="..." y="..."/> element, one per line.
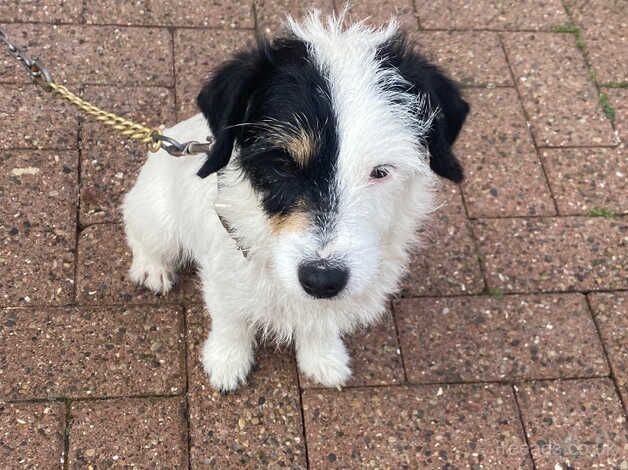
<point x="110" y="162"/>
<point x="93" y="54"/>
<point x="198" y="53"/>
<point x="31" y="435"/>
<point x="26" y="126"/>
<point x="197" y="13"/>
<point x="128" y="433"/>
<point x="588" y="179"/>
<point x="604" y="29"/>
<point x="375" y="356"/>
<point x="104" y="259"/>
<point x="377" y="12"/>
<point x="611" y="314"/>
<point x="46" y="11"/>
<point x="483" y="338"/>
<point x="472" y="58"/>
<point x="489" y="14"/>
<point x="446" y="263"/>
<point x="463" y="426"/>
<point x="574" y="424"/>
<point x="91" y="352"/>
<point x="503" y="174"/>
<point x="554" y="254"/>
<point x="37" y="226"/>
<point x="271" y="14"/>
<point x="259" y="425"/>
<point x="561" y="102"/>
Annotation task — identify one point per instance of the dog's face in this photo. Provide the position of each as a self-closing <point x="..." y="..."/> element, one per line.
<point x="332" y="134"/>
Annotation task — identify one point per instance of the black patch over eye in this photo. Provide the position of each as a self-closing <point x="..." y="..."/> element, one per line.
<point x="379" y="172"/>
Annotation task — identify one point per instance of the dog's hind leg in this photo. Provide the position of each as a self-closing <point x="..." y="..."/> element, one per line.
<point x="151" y="235"/>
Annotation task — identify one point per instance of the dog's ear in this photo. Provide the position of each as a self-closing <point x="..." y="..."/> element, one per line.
<point x="224" y="100"/>
<point x="443" y="95"/>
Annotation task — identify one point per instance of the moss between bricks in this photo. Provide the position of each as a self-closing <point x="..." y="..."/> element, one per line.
<point x="601" y="212"/>
<point x="571" y="28"/>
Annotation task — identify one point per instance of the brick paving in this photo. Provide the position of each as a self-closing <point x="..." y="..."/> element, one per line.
<point x="507" y="347"/>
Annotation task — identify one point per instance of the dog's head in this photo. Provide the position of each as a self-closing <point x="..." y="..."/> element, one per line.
<point x="325" y="140"/>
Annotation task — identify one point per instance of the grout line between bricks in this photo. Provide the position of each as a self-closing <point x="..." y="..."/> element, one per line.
<point x="300" y="392"/>
<point x="125" y="25"/>
<point x="398" y="336"/>
<point x="528" y="124"/>
<point x="176" y="302"/>
<point x="523" y="426"/>
<point x="77" y="220"/>
<point x="607" y="357"/>
<point x="186" y="383"/>
<point x="66" y="434"/>
<point x="591" y="75"/>
<point x="474" y="240"/>
<point x="506" y="382"/>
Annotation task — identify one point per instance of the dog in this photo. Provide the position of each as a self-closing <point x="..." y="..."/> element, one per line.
<point x="327" y="147"/>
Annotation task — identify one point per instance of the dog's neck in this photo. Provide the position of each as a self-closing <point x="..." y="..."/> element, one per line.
<point x="225" y="223"/>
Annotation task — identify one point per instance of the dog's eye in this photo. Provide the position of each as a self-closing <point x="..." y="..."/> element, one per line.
<point x="380" y="172"/>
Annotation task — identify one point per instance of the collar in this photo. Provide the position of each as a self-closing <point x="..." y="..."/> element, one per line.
<point x="226" y="225"/>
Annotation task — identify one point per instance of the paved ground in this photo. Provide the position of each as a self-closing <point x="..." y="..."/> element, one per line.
<point x="508" y="347"/>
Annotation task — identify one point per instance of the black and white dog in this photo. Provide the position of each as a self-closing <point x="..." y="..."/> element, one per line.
<point x="327" y="142"/>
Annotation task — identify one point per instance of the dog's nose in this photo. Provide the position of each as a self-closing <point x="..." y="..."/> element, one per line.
<point x="322" y="279"/>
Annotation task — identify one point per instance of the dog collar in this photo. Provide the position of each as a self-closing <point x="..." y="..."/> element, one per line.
<point x="231" y="232"/>
<point x="225" y="223"/>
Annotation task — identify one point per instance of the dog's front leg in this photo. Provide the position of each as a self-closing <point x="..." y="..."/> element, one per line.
<point x="228" y="351"/>
<point x="322" y="356"/>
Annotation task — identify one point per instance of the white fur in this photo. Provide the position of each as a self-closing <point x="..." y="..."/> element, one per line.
<point x="170" y="217"/>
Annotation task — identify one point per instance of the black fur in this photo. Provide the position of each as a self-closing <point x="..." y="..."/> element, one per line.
<point x="443" y="94"/>
<point x="273" y="84"/>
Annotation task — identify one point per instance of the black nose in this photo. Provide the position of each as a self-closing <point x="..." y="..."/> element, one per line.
<point x="322" y="279"/>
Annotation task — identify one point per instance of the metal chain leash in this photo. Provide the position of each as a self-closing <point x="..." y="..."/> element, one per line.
<point x="147" y="135"/>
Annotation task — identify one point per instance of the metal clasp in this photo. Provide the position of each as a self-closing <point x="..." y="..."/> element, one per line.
<point x="178" y="149"/>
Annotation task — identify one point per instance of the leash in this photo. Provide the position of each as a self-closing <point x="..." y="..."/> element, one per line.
<point x="152" y="137"/>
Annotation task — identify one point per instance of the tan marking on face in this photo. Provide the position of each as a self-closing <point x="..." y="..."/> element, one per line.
<point x="301" y="145"/>
<point x="294" y="222"/>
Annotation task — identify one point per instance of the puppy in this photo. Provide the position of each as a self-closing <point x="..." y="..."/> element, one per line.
<point x="300" y="218"/>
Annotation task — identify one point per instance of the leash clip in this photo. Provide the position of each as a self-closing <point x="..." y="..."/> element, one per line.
<point x="178" y="149"/>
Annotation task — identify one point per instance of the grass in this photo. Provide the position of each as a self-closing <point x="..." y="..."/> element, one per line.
<point x="495" y="292"/>
<point x="601" y="212"/>
<point x="566" y="28"/>
<point x="609" y="111"/>
<point x="615" y="85"/>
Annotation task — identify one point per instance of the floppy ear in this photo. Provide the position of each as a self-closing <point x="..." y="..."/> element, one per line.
<point x="223" y="101"/>
<point x="443" y="95"/>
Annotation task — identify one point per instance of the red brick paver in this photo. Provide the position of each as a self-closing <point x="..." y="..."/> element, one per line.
<point x="489" y="339"/>
<point x="31" y="435"/>
<point x="557" y="94"/>
<point x="141" y="432"/>
<point x="505" y="349"/>
<point x="91" y="352"/>
<point x="611" y="315"/>
<point x="574" y="424"/>
<point x="427" y="427"/>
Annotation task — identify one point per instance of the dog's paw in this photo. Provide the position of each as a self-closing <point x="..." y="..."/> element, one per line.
<point x="227" y="365"/>
<point x="157" y="278"/>
<point x="329" y="368"/>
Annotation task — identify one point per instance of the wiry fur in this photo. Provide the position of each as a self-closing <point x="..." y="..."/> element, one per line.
<point x="369" y="225"/>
